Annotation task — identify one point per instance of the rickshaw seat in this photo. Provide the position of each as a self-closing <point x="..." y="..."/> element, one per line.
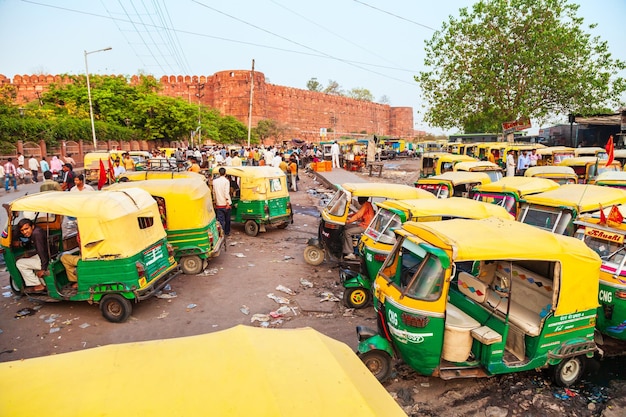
<point x="486" y="335"/>
<point x="472" y="287"/>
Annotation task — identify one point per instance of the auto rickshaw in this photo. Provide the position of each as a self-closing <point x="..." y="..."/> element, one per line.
<point x="476" y="298"/>
<point x="379" y="238"/>
<point x="188" y="217"/>
<point x="560" y="174"/>
<point x="91" y="164"/>
<point x="591" y="151"/>
<point x="260" y="197"/>
<point x="489" y="168"/>
<point x="615" y="179"/>
<point x="436" y="163"/>
<point x="554" y="155"/>
<point x="158" y="175"/>
<point x="139" y="157"/>
<point x="329" y="241"/>
<point x="589" y="167"/>
<point x="124" y="254"/>
<point x="452" y="184"/>
<point x="604" y="233"/>
<point x="509" y="191"/>
<point x="556" y="210"/>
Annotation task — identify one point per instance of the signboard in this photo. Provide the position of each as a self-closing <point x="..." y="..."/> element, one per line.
<point x="601" y="234"/>
<point x="516" y="125"/>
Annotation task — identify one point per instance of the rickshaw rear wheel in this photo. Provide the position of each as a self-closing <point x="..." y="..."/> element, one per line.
<point x="378" y="362"/>
<point x="191" y="265"/>
<point x="14" y="289"/>
<point x="313" y="255"/>
<point x="115" y="308"/>
<point x="357" y="297"/>
<point x="569" y="371"/>
<point x="251" y="228"/>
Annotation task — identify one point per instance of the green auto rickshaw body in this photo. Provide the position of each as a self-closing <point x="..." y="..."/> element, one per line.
<point x="470" y="298"/>
<point x="122" y="246"/>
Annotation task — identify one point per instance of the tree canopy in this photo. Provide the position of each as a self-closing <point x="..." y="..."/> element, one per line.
<point x="507" y="59"/>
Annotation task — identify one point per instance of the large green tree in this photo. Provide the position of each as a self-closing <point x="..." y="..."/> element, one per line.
<point x="506" y="59"/>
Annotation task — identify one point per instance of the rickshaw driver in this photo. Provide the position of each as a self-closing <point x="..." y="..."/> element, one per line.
<point x="36" y="266"/>
<point x="364" y="216"/>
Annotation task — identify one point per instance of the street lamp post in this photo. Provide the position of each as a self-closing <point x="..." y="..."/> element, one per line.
<point x="93" y="127"/>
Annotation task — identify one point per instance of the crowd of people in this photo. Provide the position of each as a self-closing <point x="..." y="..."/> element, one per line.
<point x="19" y="171"/>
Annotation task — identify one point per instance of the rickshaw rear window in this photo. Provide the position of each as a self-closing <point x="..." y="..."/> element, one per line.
<point x="145" y="222"/>
<point x="556" y="221"/>
<point x="275" y="185"/>
<point x="504" y="200"/>
<point x="337" y="205"/>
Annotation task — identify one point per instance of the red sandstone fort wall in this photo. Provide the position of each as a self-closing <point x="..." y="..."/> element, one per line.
<point x="301" y="112"/>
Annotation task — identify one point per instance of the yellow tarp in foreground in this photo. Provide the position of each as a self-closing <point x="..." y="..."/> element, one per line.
<point x="242" y="371"/>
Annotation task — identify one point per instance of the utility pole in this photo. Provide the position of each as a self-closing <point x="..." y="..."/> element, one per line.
<point x="250" y="108"/>
<point x="199" y="94"/>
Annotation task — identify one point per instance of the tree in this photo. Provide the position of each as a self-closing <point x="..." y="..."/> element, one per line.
<point x="359" y="93"/>
<point x="314" y="85"/>
<point x="333" y="88"/>
<point x="511" y="58"/>
<point x="266" y="129"/>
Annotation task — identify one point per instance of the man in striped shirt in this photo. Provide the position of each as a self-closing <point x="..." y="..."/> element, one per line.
<point x="10" y="173"/>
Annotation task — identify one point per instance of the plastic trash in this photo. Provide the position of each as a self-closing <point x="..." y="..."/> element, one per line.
<point x="306" y="283"/>
<point x="54" y="329"/>
<point x="167" y="295"/>
<point x="192" y="305"/>
<point x="7" y="294"/>
<point x="328" y="296"/>
<point x="163" y="315"/>
<point x="278" y="299"/>
<point x="167" y="287"/>
<point x="286" y="290"/>
<point x="24" y="312"/>
<point x="245" y="309"/>
<point x="280" y="312"/>
<point x="239" y="255"/>
<point x="260" y="317"/>
<point x="84" y="325"/>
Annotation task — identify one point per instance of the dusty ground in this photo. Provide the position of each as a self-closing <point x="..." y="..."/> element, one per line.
<point x="236" y="286"/>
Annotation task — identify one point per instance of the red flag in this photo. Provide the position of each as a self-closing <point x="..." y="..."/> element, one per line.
<point x="610" y="147"/>
<point x="615" y="217"/>
<point x="102" y="176"/>
<point x="602" y="216"/>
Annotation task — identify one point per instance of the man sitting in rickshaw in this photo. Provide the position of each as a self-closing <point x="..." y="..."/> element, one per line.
<point x="364" y="216"/>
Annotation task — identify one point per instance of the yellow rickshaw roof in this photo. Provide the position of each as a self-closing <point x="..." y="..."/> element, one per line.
<point x="549" y="150"/>
<point x="497" y="239"/>
<point x="588" y="149"/>
<point x="385" y="190"/>
<point x="160" y="175"/>
<point x="582" y="197"/>
<point x="553" y="170"/>
<point x="453" y="207"/>
<point x="456" y="177"/>
<point x="450" y="157"/>
<point x="617" y="176"/>
<point x="254" y="376"/>
<point x="484" y="165"/>
<point x="252" y="172"/>
<point x="519" y="185"/>
<point x="586" y="160"/>
<point x="190" y="188"/>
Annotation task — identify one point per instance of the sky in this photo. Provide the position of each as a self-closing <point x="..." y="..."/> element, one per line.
<point x="373" y="44"/>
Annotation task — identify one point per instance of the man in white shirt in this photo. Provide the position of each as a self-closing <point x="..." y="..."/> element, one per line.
<point x="221" y="191"/>
<point x="33" y="165"/>
<point x="334" y="153"/>
<point x="510" y="164"/>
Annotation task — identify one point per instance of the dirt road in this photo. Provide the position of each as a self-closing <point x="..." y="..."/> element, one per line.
<point x="234" y="290"/>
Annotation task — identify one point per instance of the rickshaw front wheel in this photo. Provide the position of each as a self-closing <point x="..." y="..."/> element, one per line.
<point x="313" y="255"/>
<point x="251" y="228"/>
<point x="191" y="265"/>
<point x="115" y="308"/>
<point x="14" y="288"/>
<point x="569" y="371"/>
<point x="357" y="297"/>
<point x="378" y="362"/>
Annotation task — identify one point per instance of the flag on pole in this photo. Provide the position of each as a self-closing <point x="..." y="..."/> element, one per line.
<point x="610" y="147"/>
<point x="102" y="176"/>
<point x="615" y="217"/>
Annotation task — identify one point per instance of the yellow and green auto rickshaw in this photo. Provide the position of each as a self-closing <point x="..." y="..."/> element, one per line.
<point x="556" y="210"/>
<point x="379" y="237"/>
<point x="91" y="164"/>
<point x="158" y="175"/>
<point x="591" y="151"/>
<point x="615" y="179"/>
<point x="605" y="234"/>
<point x="589" y="167"/>
<point x="509" y="191"/>
<point x="188" y="217"/>
<point x="559" y="174"/>
<point x="122" y="247"/>
<point x="554" y="155"/>
<point x="330" y="237"/>
<point x="452" y="184"/>
<point x="476" y="298"/>
<point x="436" y="163"/>
<point x="493" y="170"/>
<point x="260" y="197"/>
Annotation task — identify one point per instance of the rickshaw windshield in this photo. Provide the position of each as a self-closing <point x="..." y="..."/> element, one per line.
<point x="382" y="225"/>
<point x="558" y="157"/>
<point x="601" y="169"/>
<point x="494" y="175"/>
<point x="611" y="253"/>
<point x="551" y="219"/>
<point x="422" y="273"/>
<point x="504" y="200"/>
<point x="447" y="166"/>
<point x="338" y="204"/>
<point x="438" y="190"/>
